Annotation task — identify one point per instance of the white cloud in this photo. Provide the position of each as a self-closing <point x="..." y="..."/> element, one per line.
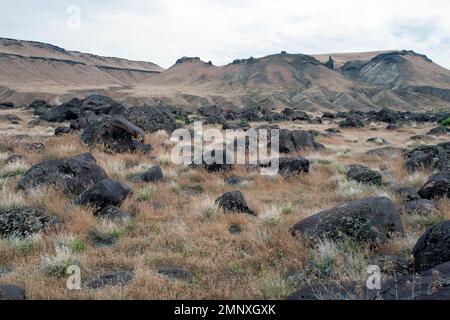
<point x="222" y="30"/>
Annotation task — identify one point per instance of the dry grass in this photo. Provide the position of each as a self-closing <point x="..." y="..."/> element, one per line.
<point x="175" y="223"/>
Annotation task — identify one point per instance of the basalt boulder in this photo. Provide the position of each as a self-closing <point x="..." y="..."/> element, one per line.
<point x="433" y="247"/>
<point x="427" y="157"/>
<point x="437" y="186"/>
<point x="154" y="174"/>
<point x="233" y="202"/>
<point x="152" y="118"/>
<point x="12" y="292"/>
<point x="24" y="222"/>
<point x="370" y="220"/>
<point x="116" y="134"/>
<point x="70" y="175"/>
<point x="363" y="174"/>
<point x="289" y="166"/>
<point x="104" y="193"/>
<point x="297" y="140"/>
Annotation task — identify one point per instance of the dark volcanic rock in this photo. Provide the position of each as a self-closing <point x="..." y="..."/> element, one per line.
<point x="364" y="175"/>
<point x="422" y="207"/>
<point x="328" y="115"/>
<point x="11" y="292"/>
<point x="67" y="111"/>
<point x="6" y="105"/>
<point x="427" y="157"/>
<point x="152" y="118"/>
<point x="233" y="202"/>
<point x="439" y="131"/>
<point x="370" y="220"/>
<point x="176" y="273"/>
<point x="87" y="119"/>
<point x="63" y="130"/>
<point x="216" y="160"/>
<point x="71" y="175"/>
<point x="104" y="193"/>
<point x="330" y="291"/>
<point x="23" y="222"/>
<point x="210" y="111"/>
<point x="297" y="140"/>
<point x="293" y="166"/>
<point x="116" y="278"/>
<point x="408" y="194"/>
<point x="433" y="248"/>
<point x="71" y="110"/>
<point x="117" y="134"/>
<point x="154" y="174"/>
<point x="437" y="186"/>
<point x="432" y="284"/>
<point x="40" y="107"/>
<point x="422" y="137"/>
<point x="352" y="122"/>
<point x="234" y="180"/>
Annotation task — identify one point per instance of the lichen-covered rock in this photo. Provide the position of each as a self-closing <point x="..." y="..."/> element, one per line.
<point x="433" y="248"/>
<point x="364" y="175"/>
<point x="24" y="222"/>
<point x="437" y="186"/>
<point x="234" y="202"/>
<point x="370" y="220"/>
<point x="71" y="175"/>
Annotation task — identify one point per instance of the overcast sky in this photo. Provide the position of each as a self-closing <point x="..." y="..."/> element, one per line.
<point x="222" y="30"/>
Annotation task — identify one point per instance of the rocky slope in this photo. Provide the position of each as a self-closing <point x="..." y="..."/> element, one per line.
<point x="401" y="80"/>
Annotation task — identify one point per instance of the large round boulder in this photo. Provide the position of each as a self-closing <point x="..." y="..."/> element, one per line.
<point x="234" y="202"/>
<point x="104" y="193"/>
<point x="71" y="175"/>
<point x="427" y="157"/>
<point x="297" y="140"/>
<point x="370" y="220"/>
<point x="433" y="247"/>
<point x="437" y="186"/>
<point x="117" y="134"/>
<point x="363" y="174"/>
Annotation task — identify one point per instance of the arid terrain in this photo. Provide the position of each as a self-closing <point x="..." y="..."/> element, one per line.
<point x="403" y="80"/>
<point x="89" y="186"/>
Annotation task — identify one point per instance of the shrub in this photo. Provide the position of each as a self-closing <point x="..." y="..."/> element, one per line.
<point x="446" y="122"/>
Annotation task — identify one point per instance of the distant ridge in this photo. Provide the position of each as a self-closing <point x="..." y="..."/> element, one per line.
<point x="341" y="81"/>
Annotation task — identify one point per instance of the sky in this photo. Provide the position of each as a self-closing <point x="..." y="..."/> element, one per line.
<point x="161" y="31"/>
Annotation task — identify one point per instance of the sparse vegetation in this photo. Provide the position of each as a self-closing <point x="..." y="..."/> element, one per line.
<point x="176" y="222"/>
